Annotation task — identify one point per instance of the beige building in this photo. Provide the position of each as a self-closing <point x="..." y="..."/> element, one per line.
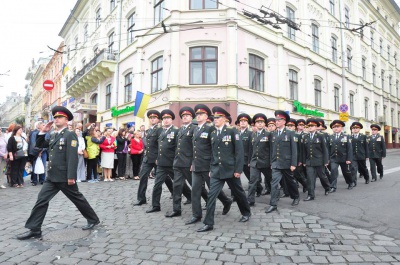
<point x="12" y="109"/>
<point x="258" y="56"/>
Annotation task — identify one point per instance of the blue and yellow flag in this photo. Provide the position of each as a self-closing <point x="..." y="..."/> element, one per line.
<point x="65" y="69"/>
<point x="141" y="103"/>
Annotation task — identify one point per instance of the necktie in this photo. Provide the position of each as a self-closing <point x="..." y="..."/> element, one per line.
<point x="312" y="136"/>
<point x="337" y="136"/>
<point x="218" y="132"/>
<point x="258" y="134"/>
<point x="279" y="132"/>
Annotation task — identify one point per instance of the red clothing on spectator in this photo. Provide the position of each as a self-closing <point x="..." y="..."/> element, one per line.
<point x="136" y="146"/>
<point x="107" y="142"/>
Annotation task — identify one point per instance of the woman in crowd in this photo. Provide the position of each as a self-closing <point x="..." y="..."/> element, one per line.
<point x="107" y="154"/>
<point x="3" y="161"/>
<point x="137" y="148"/>
<point x="114" y="134"/>
<point x="81" y="174"/>
<point x="93" y="140"/>
<point x="121" y="151"/>
<point x="17" y="148"/>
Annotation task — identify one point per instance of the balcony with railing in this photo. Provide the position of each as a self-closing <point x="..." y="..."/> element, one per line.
<point x="99" y="68"/>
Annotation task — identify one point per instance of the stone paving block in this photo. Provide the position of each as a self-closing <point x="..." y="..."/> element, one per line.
<point x="285" y="252"/>
<point x="227" y="257"/>
<point x="101" y="257"/>
<point x="335" y="259"/>
<point x="378" y="249"/>
<point x="177" y="259"/>
<point x="342" y="247"/>
<point x="244" y="259"/>
<point x="318" y="259"/>
<point x="387" y="258"/>
<point x="369" y="257"/>
<point x="43" y="259"/>
<point x="87" y="262"/>
<point x="209" y="255"/>
<point x="393" y="249"/>
<point x="385" y="243"/>
<point x="299" y="259"/>
<point x="115" y="259"/>
<point x="161" y="257"/>
<point x="278" y="259"/>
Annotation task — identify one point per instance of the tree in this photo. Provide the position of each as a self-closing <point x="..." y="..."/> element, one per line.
<point x="20" y="120"/>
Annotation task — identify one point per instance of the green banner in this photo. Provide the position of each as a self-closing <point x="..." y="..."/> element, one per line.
<point x="305" y="111"/>
<point x="116" y="112"/>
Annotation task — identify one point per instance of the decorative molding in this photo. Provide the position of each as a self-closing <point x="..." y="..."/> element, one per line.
<point x="314" y="10"/>
<point x="364" y="49"/>
<point x="127" y="5"/>
<point x="110" y="21"/>
<point x="348" y="38"/>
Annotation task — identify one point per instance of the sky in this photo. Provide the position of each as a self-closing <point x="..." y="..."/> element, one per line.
<point x="26" y="28"/>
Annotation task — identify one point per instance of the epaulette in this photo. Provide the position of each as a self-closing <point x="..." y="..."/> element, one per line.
<point x="175" y="127"/>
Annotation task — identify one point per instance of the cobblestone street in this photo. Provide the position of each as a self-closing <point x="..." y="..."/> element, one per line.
<point x="127" y="235"/>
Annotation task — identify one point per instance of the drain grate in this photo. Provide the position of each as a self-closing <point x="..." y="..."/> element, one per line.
<point x="68" y="234"/>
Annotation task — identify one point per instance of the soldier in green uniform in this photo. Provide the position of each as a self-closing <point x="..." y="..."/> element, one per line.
<point x="226" y="167"/>
<point x="377" y="151"/>
<point x="62" y="165"/>
<point x="259" y="157"/>
<point x="340" y="154"/>
<point x="315" y="158"/>
<point x="360" y="152"/>
<point x="283" y="160"/>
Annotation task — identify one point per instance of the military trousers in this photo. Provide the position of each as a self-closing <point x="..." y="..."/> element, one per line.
<point x="255" y="181"/>
<point x="289" y="181"/>
<point x="181" y="175"/>
<point x="312" y="174"/>
<point x="199" y="179"/>
<point x="48" y="191"/>
<point x="359" y="166"/>
<point x="216" y="186"/>
<point x="346" y="171"/>
<point x="300" y="176"/>
<point x="375" y="164"/>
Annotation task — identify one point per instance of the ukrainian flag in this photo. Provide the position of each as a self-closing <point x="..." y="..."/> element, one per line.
<point x="141" y="103"/>
<point x="65" y="69"/>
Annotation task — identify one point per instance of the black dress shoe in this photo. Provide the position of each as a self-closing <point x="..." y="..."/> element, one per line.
<point x="284" y="195"/>
<point x="373" y="180"/>
<point x="271" y="209"/>
<point x="34" y="184"/>
<point x="309" y="199"/>
<point x="205" y="228"/>
<point x="381" y="176"/>
<point x="244" y="219"/>
<point x="252" y="204"/>
<point x="90" y="225"/>
<point x="193" y="221"/>
<point x="138" y="203"/>
<point x="227" y="208"/>
<point x="30" y="234"/>
<point x="350" y="187"/>
<point x="153" y="210"/>
<point x="265" y="192"/>
<point x="187" y="202"/>
<point x="296" y="201"/>
<point x="367" y="181"/>
<point x="173" y="214"/>
<point x="332" y="190"/>
<point x="327" y="192"/>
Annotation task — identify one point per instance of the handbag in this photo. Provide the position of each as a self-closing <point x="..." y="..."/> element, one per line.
<point x="19" y="154"/>
<point x="39" y="167"/>
<point x="85" y="154"/>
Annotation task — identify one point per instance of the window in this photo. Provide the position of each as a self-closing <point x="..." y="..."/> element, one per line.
<point x="398" y="119"/>
<point x="76" y="44"/>
<point x="388" y="53"/>
<point x="98" y="17"/>
<point x="395" y="59"/>
<point x="256" y="72"/>
<point x="83" y="62"/>
<point x="347" y="17"/>
<point x="374" y="74"/>
<point x="111" y="43"/>
<point x="315" y="38"/>
<point x="293" y="84"/>
<point x="351" y="106"/>
<point x="332" y="7"/>
<point x="372" y="39"/>
<point x="376" y="110"/>
<point x="156" y="74"/>
<point x="85" y="33"/>
<point x="381" y="46"/>
<point x="131" y="25"/>
<point x="392" y="116"/>
<point x="383" y="79"/>
<point x="317" y="92"/>
<point x="361" y="30"/>
<point x="159" y="6"/>
<point x="93" y="99"/>
<point x="203" y="4"/>
<point x="366" y="108"/>
<point x="364" y="68"/>
<point x="397" y="89"/>
<point x="349" y="57"/>
<point x="108" y="96"/>
<point x="291" y="31"/>
<point x="336" y="96"/>
<point x="390" y="84"/>
<point x="128" y="87"/>
<point x="112" y="5"/>
<point x="334" y="49"/>
<point x="203" y="65"/>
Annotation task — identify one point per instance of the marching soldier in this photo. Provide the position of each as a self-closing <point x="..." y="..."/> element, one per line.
<point x="322" y="128"/>
<point x="183" y="160"/>
<point x="340" y="154"/>
<point x="283" y="160"/>
<point x="259" y="158"/>
<point x="377" y="151"/>
<point x="201" y="164"/>
<point x="271" y="125"/>
<point x="63" y="161"/>
<point x="226" y="167"/>
<point x="165" y="159"/>
<point x="315" y="158"/>
<point x="299" y="172"/>
<point x="360" y="152"/>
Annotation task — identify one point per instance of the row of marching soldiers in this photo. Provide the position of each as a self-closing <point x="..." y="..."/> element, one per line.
<point x="285" y="151"/>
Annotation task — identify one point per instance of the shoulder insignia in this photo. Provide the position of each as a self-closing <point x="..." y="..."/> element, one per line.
<point x="295" y="139"/>
<point x="74" y="143"/>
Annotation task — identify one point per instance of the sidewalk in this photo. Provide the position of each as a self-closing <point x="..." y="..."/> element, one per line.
<point x="127" y="235"/>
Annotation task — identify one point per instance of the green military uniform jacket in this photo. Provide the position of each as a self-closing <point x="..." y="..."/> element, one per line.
<point x="63" y="155"/>
<point x="376" y="146"/>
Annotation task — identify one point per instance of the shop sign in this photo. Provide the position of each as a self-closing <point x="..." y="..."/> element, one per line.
<point x="115" y="112"/>
<point x="302" y="110"/>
